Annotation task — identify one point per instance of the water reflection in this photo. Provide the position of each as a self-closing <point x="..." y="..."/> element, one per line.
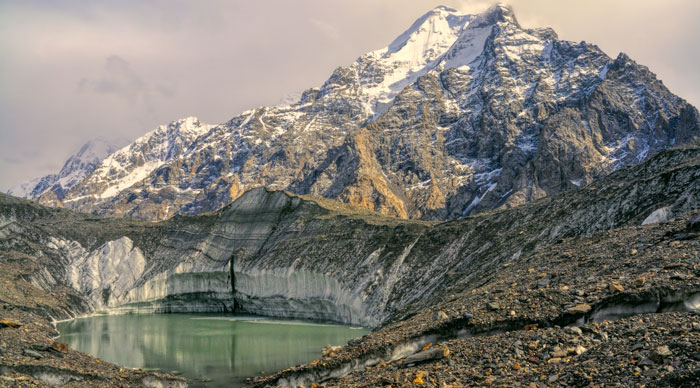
<point x="226" y="349"/>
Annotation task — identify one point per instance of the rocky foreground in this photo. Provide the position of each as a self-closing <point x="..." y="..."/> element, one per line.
<point x="29" y="357"/>
<point x="613" y="309"/>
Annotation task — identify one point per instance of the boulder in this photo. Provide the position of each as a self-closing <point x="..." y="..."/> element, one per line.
<point x="658" y="216"/>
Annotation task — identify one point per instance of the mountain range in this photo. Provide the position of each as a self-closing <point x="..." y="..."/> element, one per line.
<point x="565" y="185"/>
<point x="75" y="169"/>
<point x="622" y="249"/>
<point x="459" y="114"/>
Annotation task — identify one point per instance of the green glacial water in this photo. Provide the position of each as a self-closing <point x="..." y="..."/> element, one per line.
<point x="223" y="348"/>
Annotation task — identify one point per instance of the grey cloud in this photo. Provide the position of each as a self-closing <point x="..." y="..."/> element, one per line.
<point x="120" y="79"/>
<point x="325" y="28"/>
<point x="11" y="160"/>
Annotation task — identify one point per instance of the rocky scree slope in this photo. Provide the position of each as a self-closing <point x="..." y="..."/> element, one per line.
<point x="617" y="308"/>
<point x="278" y="254"/>
<point x="459" y="114"/>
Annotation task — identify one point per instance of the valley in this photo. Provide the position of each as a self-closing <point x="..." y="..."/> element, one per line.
<point x="573" y="258"/>
<point x="475" y="204"/>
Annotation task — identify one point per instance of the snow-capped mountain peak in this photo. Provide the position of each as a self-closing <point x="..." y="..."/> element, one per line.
<point x="135" y="161"/>
<point x="460" y="113"/>
<point x="442" y="38"/>
<point x="94" y="149"/>
<point x="76" y="168"/>
<point x="421" y="42"/>
<point x="84" y="161"/>
<point x="383" y="73"/>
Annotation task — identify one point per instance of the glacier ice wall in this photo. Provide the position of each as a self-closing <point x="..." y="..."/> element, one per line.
<point x="106" y="274"/>
<point x="285" y="292"/>
<point x="182" y="290"/>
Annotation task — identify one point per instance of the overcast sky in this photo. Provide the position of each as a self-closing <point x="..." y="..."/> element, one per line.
<point x="75" y="70"/>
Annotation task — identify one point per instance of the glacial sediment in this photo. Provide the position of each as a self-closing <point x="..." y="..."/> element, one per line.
<point x="582" y="311"/>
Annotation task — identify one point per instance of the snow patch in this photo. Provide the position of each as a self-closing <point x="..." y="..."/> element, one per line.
<point x="136" y="175"/>
<point x="467" y="48"/>
<point x="658" y="216"/>
<point x="475" y="202"/>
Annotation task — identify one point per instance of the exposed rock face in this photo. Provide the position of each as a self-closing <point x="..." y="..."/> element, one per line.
<point x="460" y="114"/>
<point x="278" y="254"/>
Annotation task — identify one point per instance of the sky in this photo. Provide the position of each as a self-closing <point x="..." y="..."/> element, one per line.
<point x="72" y="71"/>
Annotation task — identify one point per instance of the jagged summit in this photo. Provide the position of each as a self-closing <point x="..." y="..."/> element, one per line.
<point x="442" y="21"/>
<point x="459" y="114"/>
<point x="384" y="72"/>
<point x="443" y="37"/>
<point x="498" y="13"/>
<point x="445" y="20"/>
<point x="75" y="169"/>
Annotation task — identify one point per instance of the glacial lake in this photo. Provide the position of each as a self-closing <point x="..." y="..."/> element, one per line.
<point x="224" y="348"/>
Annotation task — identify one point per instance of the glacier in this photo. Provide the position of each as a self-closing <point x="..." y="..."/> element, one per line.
<point x="288" y="293"/>
<point x="274" y="253"/>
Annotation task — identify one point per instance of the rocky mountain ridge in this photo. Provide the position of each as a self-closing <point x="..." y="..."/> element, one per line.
<point x="76" y="168"/>
<point x="416" y="282"/>
<point x="279" y="254"/>
<point x="458" y="115"/>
